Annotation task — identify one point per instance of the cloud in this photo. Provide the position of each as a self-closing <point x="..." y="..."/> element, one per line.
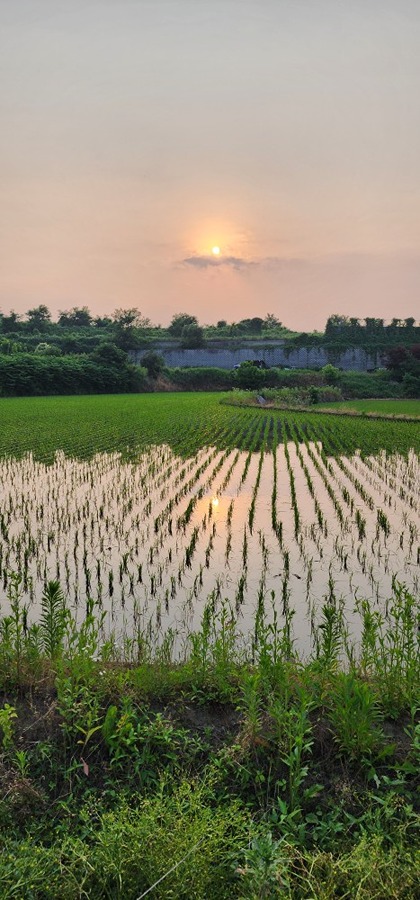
<point x="217" y="262"/>
<point x="240" y="264"/>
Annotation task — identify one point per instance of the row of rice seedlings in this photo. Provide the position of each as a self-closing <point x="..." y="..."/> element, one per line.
<point x="251" y="514"/>
<point x="295" y="507"/>
<point x="276" y="523"/>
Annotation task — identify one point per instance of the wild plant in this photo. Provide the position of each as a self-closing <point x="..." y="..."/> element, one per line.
<point x="251" y="703"/>
<point x="78" y="704"/>
<point x="18" y="623"/>
<point x="263" y="868"/>
<point x="224" y="648"/>
<point x="292" y="732"/>
<point x="355" y="715"/>
<point x="395" y="651"/>
<point x="329" y="637"/>
<point x="144" y="743"/>
<point x="273" y="648"/>
<point x="84" y="641"/>
<point x="21" y="761"/>
<point x="411" y="764"/>
<point x="7" y="716"/>
<point x="53" y="620"/>
<point x="200" y="643"/>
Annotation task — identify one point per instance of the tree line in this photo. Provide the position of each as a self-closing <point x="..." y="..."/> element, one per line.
<point x="82" y="353"/>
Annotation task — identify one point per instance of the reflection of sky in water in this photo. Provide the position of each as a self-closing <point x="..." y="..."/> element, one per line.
<point x="151" y="541"/>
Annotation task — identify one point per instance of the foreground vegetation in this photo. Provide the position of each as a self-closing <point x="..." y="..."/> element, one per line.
<point x="239" y="771"/>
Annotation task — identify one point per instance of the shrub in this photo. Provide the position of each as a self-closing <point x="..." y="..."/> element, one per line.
<point x="249" y="376"/>
<point x="154" y="363"/>
<point x="192" y="337"/>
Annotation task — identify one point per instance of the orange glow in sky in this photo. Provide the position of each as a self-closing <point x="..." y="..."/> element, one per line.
<point x="138" y="139"/>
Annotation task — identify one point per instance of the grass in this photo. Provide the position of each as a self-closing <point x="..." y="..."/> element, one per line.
<point x="237" y="772"/>
<point x="387" y="407"/>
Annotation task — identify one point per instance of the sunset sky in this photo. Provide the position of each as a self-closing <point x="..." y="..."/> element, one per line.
<point x="138" y="134"/>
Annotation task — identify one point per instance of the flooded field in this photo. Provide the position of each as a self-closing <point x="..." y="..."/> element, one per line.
<point x="280" y="531"/>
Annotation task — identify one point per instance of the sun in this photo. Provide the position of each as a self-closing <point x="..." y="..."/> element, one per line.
<point x="215" y="251"/>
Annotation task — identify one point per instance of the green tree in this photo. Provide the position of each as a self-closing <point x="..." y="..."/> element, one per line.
<point x="126" y="325"/>
<point x="11" y="322"/>
<point x="102" y="322"/>
<point x="39" y="318"/>
<point x="271" y="322"/>
<point x="253" y="326"/>
<point x="77" y="317"/>
<point x="108" y="354"/>
<point x="192" y="337"/>
<point x="181" y="321"/>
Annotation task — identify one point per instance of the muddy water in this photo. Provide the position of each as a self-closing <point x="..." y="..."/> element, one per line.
<point x="153" y="541"/>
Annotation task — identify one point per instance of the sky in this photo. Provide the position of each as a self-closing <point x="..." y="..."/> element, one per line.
<point x="139" y="134"/>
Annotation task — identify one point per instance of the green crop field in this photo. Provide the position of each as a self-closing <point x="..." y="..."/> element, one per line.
<point x="82" y="426"/>
<point x="387" y="407"/>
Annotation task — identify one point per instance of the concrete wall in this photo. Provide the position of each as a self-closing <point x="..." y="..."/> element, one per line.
<point x="273" y="354"/>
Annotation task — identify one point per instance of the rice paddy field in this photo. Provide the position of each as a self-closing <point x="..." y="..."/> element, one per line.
<point x="160" y="508"/>
<point x="209" y="656"/>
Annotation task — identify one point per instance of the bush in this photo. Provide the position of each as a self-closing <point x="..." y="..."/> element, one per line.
<point x="411" y="386"/>
<point x="30" y="374"/>
<point x="45" y="349"/>
<point x="364" y="385"/>
<point x="192" y="337"/>
<point x="249" y="377"/>
<point x="154" y="363"/>
<point x="331" y="374"/>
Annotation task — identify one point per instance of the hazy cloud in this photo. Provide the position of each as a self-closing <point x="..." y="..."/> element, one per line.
<point x="216" y="262"/>
<point x="241" y="264"/>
